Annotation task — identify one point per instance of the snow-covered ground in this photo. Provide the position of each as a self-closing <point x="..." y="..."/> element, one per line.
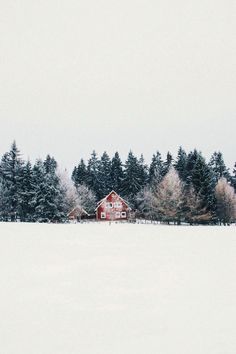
<point x="117" y="289"/>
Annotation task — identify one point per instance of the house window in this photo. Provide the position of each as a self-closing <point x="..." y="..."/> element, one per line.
<point x="103" y="215"/>
<point x="123" y="214"/>
<point x="109" y="205"/>
<point x="117" y="215"/>
<point x="117" y="205"/>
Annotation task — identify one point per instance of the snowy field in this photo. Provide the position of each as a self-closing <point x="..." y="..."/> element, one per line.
<point x="117" y="289"/>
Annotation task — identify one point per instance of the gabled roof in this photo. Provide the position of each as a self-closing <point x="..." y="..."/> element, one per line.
<point x="79" y="210"/>
<point x="104" y="199"/>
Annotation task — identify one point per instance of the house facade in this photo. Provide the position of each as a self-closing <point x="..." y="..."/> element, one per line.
<point x="77" y="214"/>
<point x="112" y="208"/>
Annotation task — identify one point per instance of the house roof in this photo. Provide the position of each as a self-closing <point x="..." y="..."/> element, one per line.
<point x="79" y="209"/>
<point x="104" y="199"/>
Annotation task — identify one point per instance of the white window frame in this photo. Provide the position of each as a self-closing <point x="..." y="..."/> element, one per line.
<point x="123" y="214"/>
<point x="117" y="215"/>
<point x="117" y="204"/>
<point x="109" y="205"/>
<point x="103" y="215"/>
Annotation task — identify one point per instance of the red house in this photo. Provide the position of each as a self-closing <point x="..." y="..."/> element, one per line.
<point x="112" y="207"/>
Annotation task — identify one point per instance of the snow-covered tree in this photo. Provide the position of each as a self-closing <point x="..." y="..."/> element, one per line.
<point x="26" y="209"/>
<point x="104" y="176"/>
<point x="80" y="196"/>
<point x="226" y="201"/>
<point x="80" y="173"/>
<point x="169" y="197"/>
<point x="180" y="164"/>
<point x="202" y="179"/>
<point x="156" y="169"/>
<point x="145" y="202"/>
<point x="93" y="174"/>
<point x="132" y="182"/>
<point x="143" y="171"/>
<point x="117" y="174"/>
<point x="86" y="198"/>
<point x="69" y="189"/>
<point x="48" y="200"/>
<point x="218" y="167"/>
<point x="11" y="175"/>
<point x="167" y="164"/>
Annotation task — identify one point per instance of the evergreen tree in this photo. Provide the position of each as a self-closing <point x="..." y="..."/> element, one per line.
<point x="11" y="176"/>
<point x="80" y="174"/>
<point x="49" y="197"/>
<point x="27" y="193"/>
<point x="167" y="163"/>
<point x="117" y="174"/>
<point x="193" y="211"/>
<point x="104" y="176"/>
<point x="93" y="174"/>
<point x="203" y="182"/>
<point x="181" y="164"/>
<point x="156" y="169"/>
<point x="218" y="167"/>
<point x="143" y="171"/>
<point x="145" y="204"/>
<point x="132" y="182"/>
<point x="190" y="164"/>
<point x="4" y="206"/>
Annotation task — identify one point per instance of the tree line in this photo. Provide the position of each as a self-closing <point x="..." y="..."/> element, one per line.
<point x="185" y="189"/>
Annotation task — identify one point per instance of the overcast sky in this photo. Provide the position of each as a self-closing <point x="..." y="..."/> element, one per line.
<point x="146" y="75"/>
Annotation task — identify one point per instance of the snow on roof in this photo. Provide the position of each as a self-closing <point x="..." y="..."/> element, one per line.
<point x="104" y="199"/>
<point x="79" y="209"/>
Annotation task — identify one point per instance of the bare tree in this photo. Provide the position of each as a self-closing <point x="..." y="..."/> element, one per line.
<point x="226" y="201"/>
<point x="169" y="197"/>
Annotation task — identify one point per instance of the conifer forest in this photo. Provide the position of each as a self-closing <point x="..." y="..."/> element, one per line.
<point x="188" y="189"/>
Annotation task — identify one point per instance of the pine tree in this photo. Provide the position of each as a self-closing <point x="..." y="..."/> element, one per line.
<point x="132" y="182"/>
<point x="181" y="164"/>
<point x="190" y="164"/>
<point x="145" y="204"/>
<point x="218" y="167"/>
<point x="156" y="169"/>
<point x="4" y="206"/>
<point x="93" y="172"/>
<point x="49" y="197"/>
<point x="203" y="182"/>
<point x="143" y="172"/>
<point x="26" y="194"/>
<point x="117" y="174"/>
<point x="80" y="174"/>
<point x="11" y="176"/>
<point x="104" y="176"/>
<point x="167" y="163"/>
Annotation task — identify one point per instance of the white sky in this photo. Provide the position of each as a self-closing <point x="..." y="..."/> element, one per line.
<point x="79" y="75"/>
